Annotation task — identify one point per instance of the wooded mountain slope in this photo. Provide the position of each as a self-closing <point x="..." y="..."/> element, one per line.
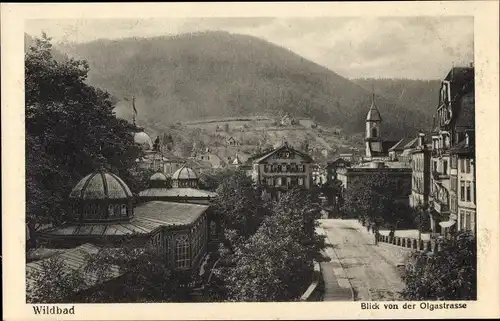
<point x="217" y="74"/>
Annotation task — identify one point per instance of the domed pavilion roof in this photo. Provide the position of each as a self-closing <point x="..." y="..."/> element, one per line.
<point x="159" y="176"/>
<point x="184" y="173"/>
<point x="143" y="139"/>
<point x="101" y="185"/>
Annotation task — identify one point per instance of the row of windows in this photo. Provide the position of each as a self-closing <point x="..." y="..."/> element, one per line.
<point x="466" y="191"/>
<point x="276" y="168"/>
<point x="418" y="164"/>
<point x="284" y="181"/>
<point x="193" y="183"/>
<point x="466" y="218"/>
<point x="100" y="211"/>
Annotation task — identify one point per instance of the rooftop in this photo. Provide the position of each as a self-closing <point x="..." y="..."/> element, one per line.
<point x="73" y="259"/>
<point x="176" y="192"/>
<point x="148" y="217"/>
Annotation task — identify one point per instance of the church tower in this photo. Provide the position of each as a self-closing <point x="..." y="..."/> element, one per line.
<point x="373" y="137"/>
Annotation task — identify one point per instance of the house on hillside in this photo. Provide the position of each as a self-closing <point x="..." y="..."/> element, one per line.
<point x="287" y="120"/>
<point x="208" y="156"/>
<point x="283" y="168"/>
<point x="231" y="141"/>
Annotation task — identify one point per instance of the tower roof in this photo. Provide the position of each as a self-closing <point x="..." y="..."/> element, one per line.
<point x="373" y="113"/>
<point x="184" y="173"/>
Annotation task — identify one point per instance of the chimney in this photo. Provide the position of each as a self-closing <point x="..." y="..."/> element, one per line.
<point x="421" y="137"/>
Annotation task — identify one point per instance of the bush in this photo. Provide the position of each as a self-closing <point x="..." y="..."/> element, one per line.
<point x="449" y="274"/>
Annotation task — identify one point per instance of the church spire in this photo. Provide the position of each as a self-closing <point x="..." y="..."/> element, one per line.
<point x="373" y="113"/>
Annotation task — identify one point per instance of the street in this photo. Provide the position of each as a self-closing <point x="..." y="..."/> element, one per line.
<point x="370" y="269"/>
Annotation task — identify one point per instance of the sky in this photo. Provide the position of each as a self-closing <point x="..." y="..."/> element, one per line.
<point x="406" y="47"/>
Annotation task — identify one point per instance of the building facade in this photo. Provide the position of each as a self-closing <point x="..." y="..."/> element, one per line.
<point x="103" y="212"/>
<point x="421" y="173"/>
<point x="283" y="168"/>
<point x="455" y="115"/>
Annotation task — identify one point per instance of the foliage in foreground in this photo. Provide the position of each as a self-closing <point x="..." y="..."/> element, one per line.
<point x="449" y="274"/>
<point x="275" y="262"/>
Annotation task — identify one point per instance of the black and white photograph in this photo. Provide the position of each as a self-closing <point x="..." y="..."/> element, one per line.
<point x="202" y="159"/>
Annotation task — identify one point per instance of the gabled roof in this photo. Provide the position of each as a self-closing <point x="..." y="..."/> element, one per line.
<point x="403" y="144"/>
<point x="284" y="147"/>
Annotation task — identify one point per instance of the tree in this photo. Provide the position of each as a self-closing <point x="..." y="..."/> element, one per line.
<point x="449" y="274"/>
<point x="374" y="201"/>
<point x="274" y="263"/>
<point x="211" y="180"/>
<point x="146" y="276"/>
<point x="53" y="282"/>
<point x="239" y="205"/>
<point x="70" y="127"/>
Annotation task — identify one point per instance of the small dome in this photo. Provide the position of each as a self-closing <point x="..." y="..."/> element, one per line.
<point x="101" y="185"/>
<point x="158" y="177"/>
<point x="143" y="139"/>
<point x="184" y="173"/>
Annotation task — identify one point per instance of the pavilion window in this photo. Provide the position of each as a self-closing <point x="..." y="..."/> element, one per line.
<point x="182" y="259"/>
<point x="124" y="210"/>
<point x="111" y="211"/>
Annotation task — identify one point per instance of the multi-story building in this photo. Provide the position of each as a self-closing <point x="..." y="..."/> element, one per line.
<point x="454" y="113"/>
<point x="400" y="175"/>
<point x="421" y="174"/>
<point x="283" y="168"/>
<point x="466" y="183"/>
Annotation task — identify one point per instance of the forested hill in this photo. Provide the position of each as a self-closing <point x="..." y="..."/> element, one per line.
<point x="419" y="95"/>
<point x="214" y="74"/>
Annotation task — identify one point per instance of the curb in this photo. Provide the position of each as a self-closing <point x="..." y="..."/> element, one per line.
<point x="314" y="284"/>
<point x="340" y="274"/>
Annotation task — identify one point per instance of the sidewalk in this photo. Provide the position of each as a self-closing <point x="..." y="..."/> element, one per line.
<point x="337" y="286"/>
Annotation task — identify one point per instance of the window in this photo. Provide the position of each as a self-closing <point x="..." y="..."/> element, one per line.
<point x="435" y="166"/>
<point x="462" y="220"/>
<point x="468" y="221"/>
<point x="467" y="166"/>
<point x="374" y="132"/>
<point x="462" y="191"/>
<point x="213" y="229"/>
<point x="301" y="181"/>
<point x="266" y="168"/>
<point x="111" y="211"/>
<point x="462" y="165"/>
<point x="294" y="167"/>
<point x="453" y="181"/>
<point x="124" y="210"/>
<point x="270" y="181"/>
<point x="467" y="192"/>
<point x="283" y="167"/>
<point x="182" y="259"/>
<point x="445" y="167"/>
<point x="454" y="161"/>
<point x="278" y="181"/>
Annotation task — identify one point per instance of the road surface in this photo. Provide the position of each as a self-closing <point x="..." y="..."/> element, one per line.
<point x="370" y="269"/>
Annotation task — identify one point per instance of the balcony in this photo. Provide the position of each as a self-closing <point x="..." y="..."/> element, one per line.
<point x="441" y="208"/>
<point x="439" y="176"/>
